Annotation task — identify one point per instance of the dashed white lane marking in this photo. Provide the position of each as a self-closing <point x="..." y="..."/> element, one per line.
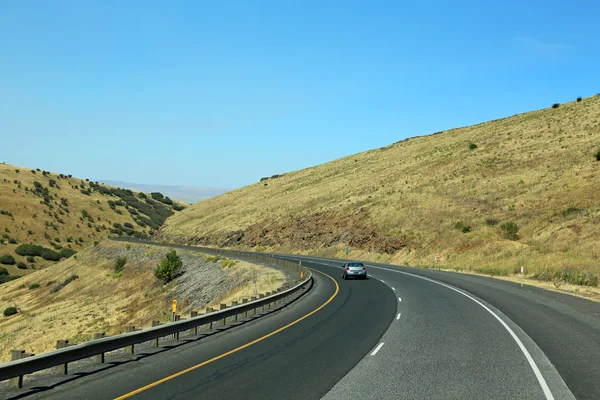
<point x="377" y="349"/>
<point x="399" y="299"/>
<point x="544" y="385"/>
<point x="398" y="317"/>
<point x="393" y="288"/>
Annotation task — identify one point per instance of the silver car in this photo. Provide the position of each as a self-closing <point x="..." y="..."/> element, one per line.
<point x="354" y="269"/>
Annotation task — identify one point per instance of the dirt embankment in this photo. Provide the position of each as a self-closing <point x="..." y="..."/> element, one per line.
<point x="82" y="295"/>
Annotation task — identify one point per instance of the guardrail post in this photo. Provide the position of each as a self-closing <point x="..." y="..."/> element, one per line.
<point x="156" y="323"/>
<point x="175" y="319"/>
<point x="222" y="307"/>
<point x="253" y="298"/>
<point x="244" y="301"/>
<point x="100" y="357"/>
<point x="194" y="329"/>
<point x="209" y="310"/>
<point x="129" y="349"/>
<point x="268" y="305"/>
<point x="233" y="304"/>
<point x="18" y="355"/>
<point x="63" y="368"/>
<point x="262" y="296"/>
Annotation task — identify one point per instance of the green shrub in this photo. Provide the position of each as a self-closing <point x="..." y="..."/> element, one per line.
<point x="492" y="221"/>
<point x="570" y="210"/>
<point x="555" y="105"/>
<point x="128" y="225"/>
<point x="511" y="230"/>
<point x="21" y="265"/>
<point x="579" y="99"/>
<point x="12" y="241"/>
<point x="472" y="146"/>
<point x="36" y="250"/>
<point x="8" y="311"/>
<point x="66" y="253"/>
<point x="228" y="263"/>
<point x="7" y="260"/>
<point x="462" y="227"/>
<point x="30" y="259"/>
<point x="3" y="271"/>
<point x="597" y="155"/>
<point x="169" y="267"/>
<point x="120" y="264"/>
<point x="34" y="286"/>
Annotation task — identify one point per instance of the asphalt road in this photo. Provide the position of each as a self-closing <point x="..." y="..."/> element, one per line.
<point x="403" y="334"/>
<point x="301" y="362"/>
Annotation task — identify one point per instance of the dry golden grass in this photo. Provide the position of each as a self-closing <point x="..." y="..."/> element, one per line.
<point x="98" y="301"/>
<point x="29" y="215"/>
<point x="528" y="169"/>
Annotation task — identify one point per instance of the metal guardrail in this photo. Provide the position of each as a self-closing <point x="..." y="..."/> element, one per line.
<point x="34" y="363"/>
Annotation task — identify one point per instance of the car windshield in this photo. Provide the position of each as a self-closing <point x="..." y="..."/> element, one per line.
<point x="355" y="264"/>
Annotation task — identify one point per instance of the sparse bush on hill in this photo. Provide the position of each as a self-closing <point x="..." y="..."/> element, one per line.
<point x="511" y="230"/>
<point x="7" y="213"/>
<point x="37" y="250"/>
<point x="555" y="105"/>
<point x="472" y="146"/>
<point x="178" y="207"/>
<point x="570" y="210"/>
<point x="31" y="259"/>
<point x="12" y="240"/>
<point x="128" y="225"/>
<point x="597" y="155"/>
<point x="21" y="265"/>
<point x="7" y="259"/>
<point x="34" y="286"/>
<point x="579" y="99"/>
<point x="169" y="267"/>
<point x="66" y="253"/>
<point x="120" y="264"/>
<point x="8" y="311"/>
<point x="462" y="227"/>
<point x="3" y="271"/>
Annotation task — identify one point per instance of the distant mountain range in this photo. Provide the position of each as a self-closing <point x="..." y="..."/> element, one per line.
<point x="188" y="194"/>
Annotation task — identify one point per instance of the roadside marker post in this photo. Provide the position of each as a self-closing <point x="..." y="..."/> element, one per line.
<point x="521" y="277"/>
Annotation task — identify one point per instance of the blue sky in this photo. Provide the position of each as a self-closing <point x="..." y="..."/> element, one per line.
<point x="224" y="93"/>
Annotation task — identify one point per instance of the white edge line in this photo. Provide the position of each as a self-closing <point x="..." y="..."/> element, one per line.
<point x="530" y="360"/>
<point x="393" y="288"/>
<point x="398" y="317"/>
<point x="377" y="349"/>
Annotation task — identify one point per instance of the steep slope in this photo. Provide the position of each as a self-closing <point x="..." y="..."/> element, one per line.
<point x="520" y="191"/>
<point x="58" y="211"/>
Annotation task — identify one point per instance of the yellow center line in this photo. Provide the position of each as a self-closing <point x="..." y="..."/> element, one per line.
<point x="260" y="339"/>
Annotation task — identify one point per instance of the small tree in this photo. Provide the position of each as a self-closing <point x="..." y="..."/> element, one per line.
<point x="511" y="230"/>
<point x="168" y="267"/>
<point x="120" y="264"/>
<point x="579" y="99"/>
<point x="555" y="105"/>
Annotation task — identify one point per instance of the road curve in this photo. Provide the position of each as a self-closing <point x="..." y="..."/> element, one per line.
<point x="303" y="361"/>
<point x="405" y="333"/>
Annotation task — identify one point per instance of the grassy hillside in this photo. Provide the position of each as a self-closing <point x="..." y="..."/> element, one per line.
<point x="82" y="295"/>
<point x="66" y="214"/>
<point x="489" y="198"/>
